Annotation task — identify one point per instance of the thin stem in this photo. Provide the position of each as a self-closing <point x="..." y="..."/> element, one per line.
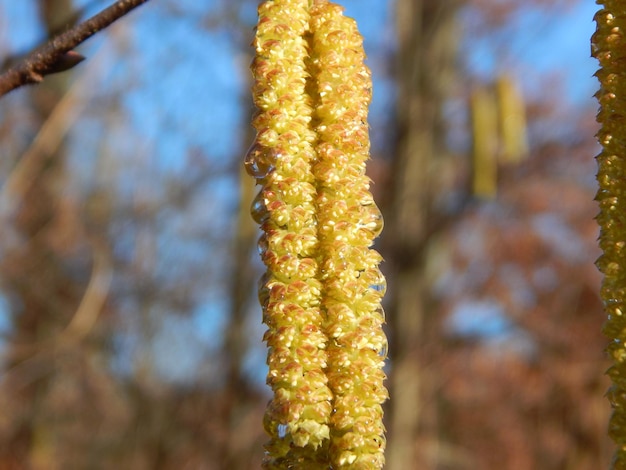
<point x="48" y="58"/>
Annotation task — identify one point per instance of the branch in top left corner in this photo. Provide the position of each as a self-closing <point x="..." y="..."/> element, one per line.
<point x="57" y="55"/>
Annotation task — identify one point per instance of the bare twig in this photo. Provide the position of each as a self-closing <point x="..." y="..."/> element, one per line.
<point x="57" y="55"/>
<point x="94" y="298"/>
<point x="71" y="20"/>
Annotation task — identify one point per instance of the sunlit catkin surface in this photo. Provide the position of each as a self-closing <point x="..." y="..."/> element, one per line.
<point x="321" y="295"/>
<point x="609" y="48"/>
<point x="349" y="220"/>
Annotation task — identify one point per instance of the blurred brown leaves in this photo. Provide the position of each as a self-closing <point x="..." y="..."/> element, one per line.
<point x="135" y="259"/>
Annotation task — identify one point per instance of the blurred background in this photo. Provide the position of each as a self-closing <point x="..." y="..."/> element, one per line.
<point x="130" y="329"/>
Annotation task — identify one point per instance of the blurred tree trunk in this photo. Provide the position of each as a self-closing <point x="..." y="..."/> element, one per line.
<point x="243" y="276"/>
<point x="237" y="393"/>
<point x="44" y="295"/>
<point x="427" y="39"/>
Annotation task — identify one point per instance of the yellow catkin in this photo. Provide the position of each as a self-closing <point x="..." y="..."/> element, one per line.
<point x="298" y="415"/>
<point x="321" y="294"/>
<point x="609" y="48"/>
<point x="349" y="220"/>
<point x="484" y="143"/>
<point x="511" y="120"/>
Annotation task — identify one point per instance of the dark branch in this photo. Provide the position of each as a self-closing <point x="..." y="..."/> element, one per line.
<point x="57" y="55"/>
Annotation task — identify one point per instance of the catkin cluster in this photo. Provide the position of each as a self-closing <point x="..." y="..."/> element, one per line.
<point x="609" y="48"/>
<point x="321" y="294"/>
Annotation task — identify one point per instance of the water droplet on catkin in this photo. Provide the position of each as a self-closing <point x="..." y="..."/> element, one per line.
<point x="373" y="220"/>
<point x="282" y="431"/>
<point x="378" y="283"/>
<point x="259" y="210"/>
<point x="262" y="245"/>
<point x="384" y="349"/>
<point x="263" y="288"/>
<point x="260" y="161"/>
<point x="380" y="311"/>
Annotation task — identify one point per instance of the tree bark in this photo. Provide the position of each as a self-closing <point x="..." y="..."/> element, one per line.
<point x="425" y="66"/>
<point x="44" y="296"/>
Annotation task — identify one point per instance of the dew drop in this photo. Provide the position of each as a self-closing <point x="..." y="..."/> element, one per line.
<point x="260" y="161"/>
<point x="379" y="287"/>
<point x="384" y="349"/>
<point x="264" y="290"/>
<point x="380" y="311"/>
<point x="262" y="245"/>
<point x="374" y="220"/>
<point x="264" y="295"/>
<point x="595" y="48"/>
<point x="379" y="284"/>
<point x="282" y="431"/>
<point x="259" y="210"/>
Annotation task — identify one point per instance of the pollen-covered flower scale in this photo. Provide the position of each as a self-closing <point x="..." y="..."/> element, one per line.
<point x="609" y="48"/>
<point x="297" y="418"/>
<point x="348" y="222"/>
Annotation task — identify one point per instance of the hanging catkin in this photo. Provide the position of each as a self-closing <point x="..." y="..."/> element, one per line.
<point x="321" y="294"/>
<point x="609" y="48"/>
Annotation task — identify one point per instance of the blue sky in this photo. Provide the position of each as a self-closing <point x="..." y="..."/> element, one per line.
<point x="536" y="43"/>
<point x="209" y="69"/>
<point x="189" y="88"/>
